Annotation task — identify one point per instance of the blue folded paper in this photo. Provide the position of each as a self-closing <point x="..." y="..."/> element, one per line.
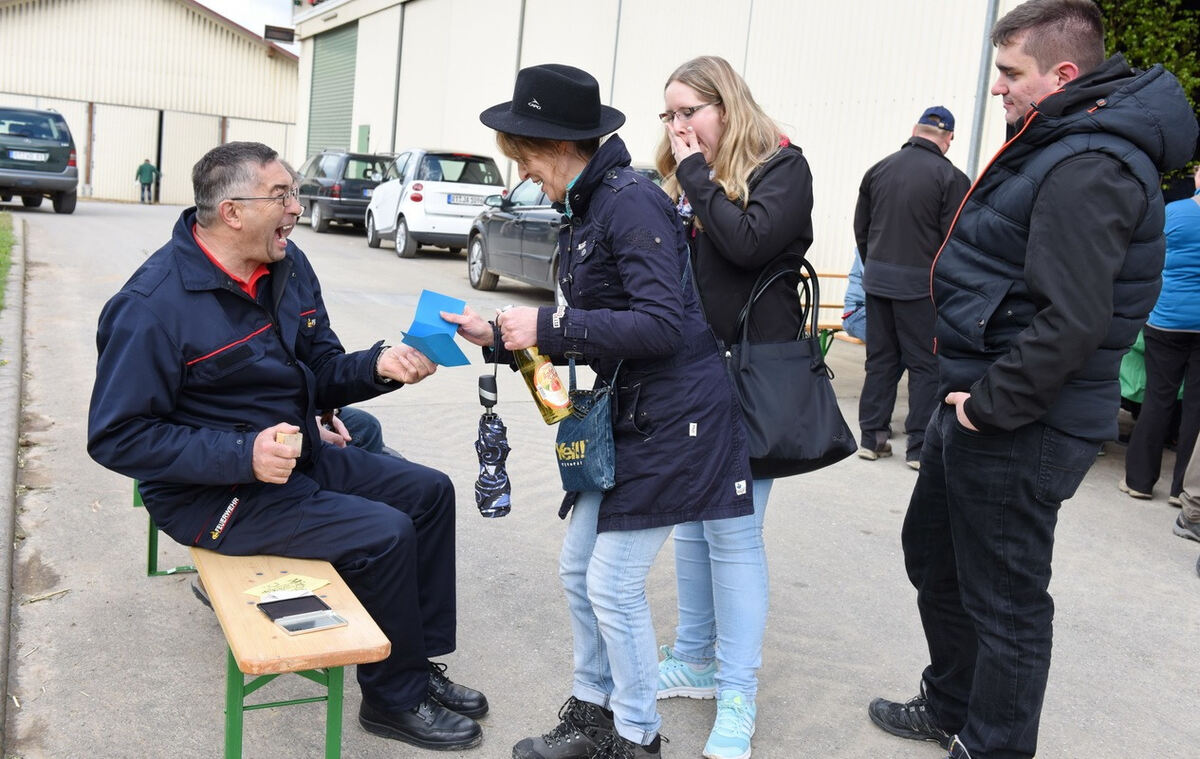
<point x="433" y="335"/>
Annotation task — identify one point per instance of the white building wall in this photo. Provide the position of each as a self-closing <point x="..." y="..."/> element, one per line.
<point x="444" y="80"/>
<point x="122" y="137"/>
<point x="167" y="54"/>
<point x="846" y="81"/>
<point x="278" y="136"/>
<point x="375" y="77"/>
<point x="186" y="137"/>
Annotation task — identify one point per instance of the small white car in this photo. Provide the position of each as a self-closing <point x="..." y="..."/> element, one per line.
<point x="430" y="197"/>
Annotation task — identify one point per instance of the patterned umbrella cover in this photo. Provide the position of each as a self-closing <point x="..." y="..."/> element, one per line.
<point x="492" y="488"/>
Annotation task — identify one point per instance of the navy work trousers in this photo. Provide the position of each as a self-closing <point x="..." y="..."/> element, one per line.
<point x="387" y="526"/>
<point x="978" y="539"/>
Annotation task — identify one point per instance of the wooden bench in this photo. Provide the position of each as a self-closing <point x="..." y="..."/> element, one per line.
<point x="258" y="647"/>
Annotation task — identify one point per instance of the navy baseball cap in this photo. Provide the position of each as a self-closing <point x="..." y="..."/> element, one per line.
<point x="939" y="117"/>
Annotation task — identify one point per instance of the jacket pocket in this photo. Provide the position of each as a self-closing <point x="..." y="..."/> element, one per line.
<point x="221" y="363"/>
<point x="631" y="415"/>
<point x="969" y="311"/>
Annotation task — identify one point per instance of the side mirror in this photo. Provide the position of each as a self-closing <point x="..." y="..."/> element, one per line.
<point x="494" y="201"/>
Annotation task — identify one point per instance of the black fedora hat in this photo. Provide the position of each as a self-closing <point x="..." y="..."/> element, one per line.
<point x="554" y="102"/>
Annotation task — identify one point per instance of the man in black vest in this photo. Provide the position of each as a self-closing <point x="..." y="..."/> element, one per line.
<point x="906" y="204"/>
<point x="1048" y="273"/>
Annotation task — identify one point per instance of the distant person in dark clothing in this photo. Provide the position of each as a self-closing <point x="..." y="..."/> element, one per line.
<point x="146" y="175"/>
<point x="1045" y="279"/>
<point x="906" y="203"/>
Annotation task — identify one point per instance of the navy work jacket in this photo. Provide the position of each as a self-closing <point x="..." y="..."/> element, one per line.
<point x="191" y="369"/>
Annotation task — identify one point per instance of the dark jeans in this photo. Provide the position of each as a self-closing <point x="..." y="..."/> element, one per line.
<point x="978" y="539"/>
<point x="899" y="337"/>
<point x="387" y="526"/>
<point x="365" y="430"/>
<point x="1171" y="358"/>
<point x="147" y="194"/>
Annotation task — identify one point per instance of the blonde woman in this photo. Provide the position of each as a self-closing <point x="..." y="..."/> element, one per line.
<point x="745" y="194"/>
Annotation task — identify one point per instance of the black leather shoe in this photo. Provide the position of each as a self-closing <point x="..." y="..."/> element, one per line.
<point x="457" y="698"/>
<point x="428" y="725"/>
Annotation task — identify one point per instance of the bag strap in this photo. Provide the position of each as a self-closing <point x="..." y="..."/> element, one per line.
<point x="571" y="386"/>
<point x="810" y="300"/>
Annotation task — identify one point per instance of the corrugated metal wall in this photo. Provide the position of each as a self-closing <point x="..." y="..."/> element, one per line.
<point x="332" y="104"/>
<point x="149" y="53"/>
<point x="133" y="59"/>
<point x="846" y="81"/>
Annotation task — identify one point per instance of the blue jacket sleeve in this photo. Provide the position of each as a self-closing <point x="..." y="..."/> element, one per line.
<point x="128" y="430"/>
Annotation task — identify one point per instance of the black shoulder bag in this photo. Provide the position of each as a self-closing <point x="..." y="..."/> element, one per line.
<point x="793" y="422"/>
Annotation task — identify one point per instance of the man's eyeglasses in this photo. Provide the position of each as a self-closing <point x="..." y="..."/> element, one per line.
<point x="684" y="113"/>
<point x="282" y="200"/>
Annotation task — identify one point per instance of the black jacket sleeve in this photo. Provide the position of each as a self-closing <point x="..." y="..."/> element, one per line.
<point x="779" y="211"/>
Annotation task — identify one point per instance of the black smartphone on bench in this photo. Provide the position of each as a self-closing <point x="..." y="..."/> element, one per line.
<point x="301" y="614"/>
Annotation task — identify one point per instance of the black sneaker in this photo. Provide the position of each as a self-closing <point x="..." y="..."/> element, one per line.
<point x="582" y="727"/>
<point x="428" y="725"/>
<point x="911" y="720"/>
<point x="613" y="746"/>
<point x="457" y="698"/>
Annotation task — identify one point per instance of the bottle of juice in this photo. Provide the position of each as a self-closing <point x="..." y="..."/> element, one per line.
<point x="547" y="389"/>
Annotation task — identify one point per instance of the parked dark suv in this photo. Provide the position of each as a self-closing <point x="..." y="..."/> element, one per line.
<point x="336" y="185"/>
<point x="37" y="158"/>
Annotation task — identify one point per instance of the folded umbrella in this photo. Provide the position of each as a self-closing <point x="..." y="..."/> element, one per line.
<point x="492" y="489"/>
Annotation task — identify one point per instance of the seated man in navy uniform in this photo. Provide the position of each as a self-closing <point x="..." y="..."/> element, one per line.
<point x="219" y="342"/>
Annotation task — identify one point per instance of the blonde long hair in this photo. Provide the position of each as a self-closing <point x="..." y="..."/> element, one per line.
<point x="750" y="136"/>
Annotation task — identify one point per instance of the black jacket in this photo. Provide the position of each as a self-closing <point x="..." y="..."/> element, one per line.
<point x="906" y="204"/>
<point x="733" y="245"/>
<point x="1054" y="261"/>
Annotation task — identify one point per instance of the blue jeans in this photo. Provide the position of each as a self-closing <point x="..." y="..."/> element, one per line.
<point x="721" y="574"/>
<point x="604" y="575"/>
<point x="978" y="539"/>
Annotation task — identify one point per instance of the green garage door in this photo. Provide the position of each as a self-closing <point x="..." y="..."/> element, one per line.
<point x="329" y="112"/>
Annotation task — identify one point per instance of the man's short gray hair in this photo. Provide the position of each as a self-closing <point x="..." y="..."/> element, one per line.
<point x="224" y="171"/>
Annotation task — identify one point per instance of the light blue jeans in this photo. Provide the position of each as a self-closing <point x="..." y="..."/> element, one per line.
<point x="721" y="574"/>
<point x="604" y="575"/>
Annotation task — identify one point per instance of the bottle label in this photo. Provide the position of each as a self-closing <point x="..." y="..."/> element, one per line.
<point x="549" y="387"/>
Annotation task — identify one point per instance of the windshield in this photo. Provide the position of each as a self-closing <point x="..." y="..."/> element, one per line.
<point x="31" y="124"/>
<point x="464" y="169"/>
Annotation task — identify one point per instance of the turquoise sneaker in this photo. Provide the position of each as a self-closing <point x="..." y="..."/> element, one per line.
<point x="678" y="678"/>
<point x="730" y="736"/>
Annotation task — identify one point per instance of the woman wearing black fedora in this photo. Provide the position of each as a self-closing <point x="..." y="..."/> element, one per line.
<point x="680" y="444"/>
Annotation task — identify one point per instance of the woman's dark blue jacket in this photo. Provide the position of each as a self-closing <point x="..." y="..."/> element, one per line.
<point x="680" y="443"/>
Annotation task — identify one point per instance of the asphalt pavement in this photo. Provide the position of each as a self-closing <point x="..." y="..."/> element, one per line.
<point x="106" y="662"/>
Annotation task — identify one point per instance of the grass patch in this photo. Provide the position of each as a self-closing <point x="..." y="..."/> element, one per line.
<point x="6" y="243"/>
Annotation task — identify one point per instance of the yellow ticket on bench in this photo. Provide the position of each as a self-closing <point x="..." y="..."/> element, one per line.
<point x="290" y="582"/>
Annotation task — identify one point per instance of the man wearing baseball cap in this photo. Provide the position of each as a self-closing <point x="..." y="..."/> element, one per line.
<point x="906" y="203"/>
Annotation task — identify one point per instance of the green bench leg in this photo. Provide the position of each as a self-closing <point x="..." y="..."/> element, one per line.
<point x="236" y="690"/>
<point x="333" y="713"/>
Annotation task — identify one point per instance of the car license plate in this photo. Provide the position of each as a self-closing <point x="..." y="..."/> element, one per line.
<point x="464" y="200"/>
<point x="25" y="155"/>
<point x="367" y="193"/>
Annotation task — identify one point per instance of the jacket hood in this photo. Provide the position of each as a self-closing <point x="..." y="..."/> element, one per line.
<point x="1147" y="108"/>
